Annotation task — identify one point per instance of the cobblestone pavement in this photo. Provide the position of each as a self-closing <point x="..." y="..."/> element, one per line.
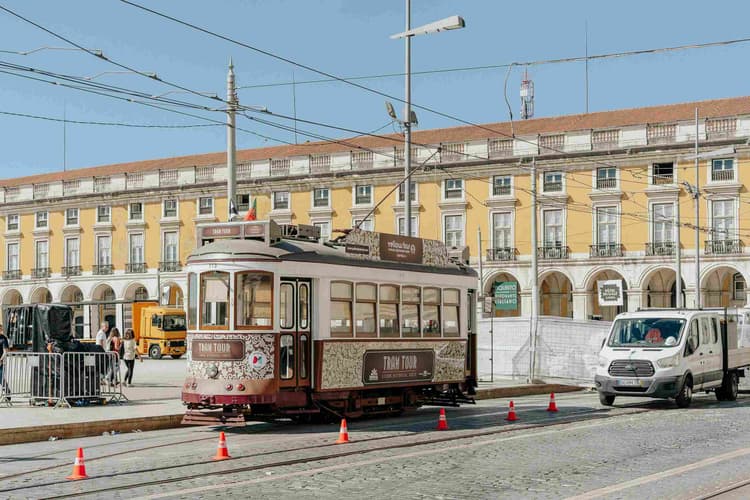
<point x="641" y="449"/>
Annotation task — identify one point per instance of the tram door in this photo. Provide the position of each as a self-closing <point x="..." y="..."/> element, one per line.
<point x="295" y="342"/>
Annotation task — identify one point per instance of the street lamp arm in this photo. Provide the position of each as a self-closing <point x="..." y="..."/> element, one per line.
<point x="449" y="23"/>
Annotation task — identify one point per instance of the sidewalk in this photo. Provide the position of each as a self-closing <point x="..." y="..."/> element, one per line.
<point x="154" y="404"/>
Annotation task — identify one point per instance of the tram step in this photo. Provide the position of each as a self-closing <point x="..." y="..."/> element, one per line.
<point x="197" y="417"/>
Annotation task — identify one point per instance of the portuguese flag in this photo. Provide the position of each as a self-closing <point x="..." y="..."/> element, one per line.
<point x="252" y="213"/>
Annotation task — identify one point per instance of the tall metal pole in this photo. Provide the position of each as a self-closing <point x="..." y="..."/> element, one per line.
<point x="678" y="256"/>
<point x="534" y="274"/>
<point x="492" y="311"/>
<point x="696" y="195"/>
<point x="407" y="125"/>
<point x="231" y="142"/>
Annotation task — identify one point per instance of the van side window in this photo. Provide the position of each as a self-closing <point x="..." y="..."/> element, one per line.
<point x="692" y="339"/>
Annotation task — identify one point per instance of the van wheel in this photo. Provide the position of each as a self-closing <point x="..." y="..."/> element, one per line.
<point x="176" y="356"/>
<point x="685" y="396"/>
<point x="730" y="386"/>
<point x="154" y="352"/>
<point x="606" y="400"/>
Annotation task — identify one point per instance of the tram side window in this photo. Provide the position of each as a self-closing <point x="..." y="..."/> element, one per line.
<point x="286" y="357"/>
<point x="451" y="302"/>
<point x="389" y="311"/>
<point x="192" y="300"/>
<point x="410" y="299"/>
<point x="304" y="306"/>
<point x="215" y="305"/>
<point x="341" y="309"/>
<point x="364" y="318"/>
<point x="303" y="356"/>
<point x="431" y="312"/>
<point x="254" y="300"/>
<point x="286" y="299"/>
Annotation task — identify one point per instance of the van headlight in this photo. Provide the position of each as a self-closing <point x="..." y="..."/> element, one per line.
<point x="669" y="362"/>
<point x="603" y="361"/>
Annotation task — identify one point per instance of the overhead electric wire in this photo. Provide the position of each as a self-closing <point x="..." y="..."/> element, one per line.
<point x="109" y="124"/>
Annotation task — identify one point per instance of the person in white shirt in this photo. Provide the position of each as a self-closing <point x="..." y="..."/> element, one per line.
<point x="101" y="335"/>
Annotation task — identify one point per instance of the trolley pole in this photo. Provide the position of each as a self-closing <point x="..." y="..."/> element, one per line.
<point x="534" y="274"/>
<point x="231" y="140"/>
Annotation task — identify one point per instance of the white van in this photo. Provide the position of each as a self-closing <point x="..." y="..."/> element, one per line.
<point x="671" y="353"/>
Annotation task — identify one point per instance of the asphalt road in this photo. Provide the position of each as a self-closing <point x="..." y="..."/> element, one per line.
<point x="640" y="449"/>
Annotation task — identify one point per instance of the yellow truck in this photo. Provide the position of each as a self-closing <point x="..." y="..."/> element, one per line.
<point x="159" y="330"/>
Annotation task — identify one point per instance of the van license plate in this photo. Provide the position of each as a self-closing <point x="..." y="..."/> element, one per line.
<point x="629" y="382"/>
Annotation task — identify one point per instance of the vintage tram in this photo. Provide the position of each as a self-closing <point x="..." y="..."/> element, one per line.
<point x="280" y="324"/>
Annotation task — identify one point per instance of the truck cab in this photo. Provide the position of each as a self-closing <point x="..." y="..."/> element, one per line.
<point x="671" y="354"/>
<point x="159" y="330"/>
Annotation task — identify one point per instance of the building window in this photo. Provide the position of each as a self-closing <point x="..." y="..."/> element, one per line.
<point x="12" y="263"/>
<point x="13" y="222"/>
<point x="606" y="178"/>
<point x="412" y="191"/>
<point x="341" y="309"/>
<point x="136" y="211"/>
<point x="136" y="248"/>
<point x="364" y="224"/>
<point x="738" y="287"/>
<point x="662" y="173"/>
<point x="364" y="316"/>
<point x="553" y="228"/>
<point x="501" y="185"/>
<point x="42" y="254"/>
<point x="363" y="195"/>
<point x="41" y="220"/>
<point x="170" y="208"/>
<point x="453" y="189"/>
<point x="722" y="169"/>
<point x="402" y="230"/>
<point x="662" y="215"/>
<point x="431" y="312"/>
<point x="553" y="182"/>
<point x="502" y="236"/>
<point x="606" y="225"/>
<point x="71" y="217"/>
<point x="170" y="246"/>
<point x="325" y="230"/>
<point x="411" y="300"/>
<point x="451" y="303"/>
<point x="281" y="200"/>
<point x="453" y="230"/>
<point x="72" y="254"/>
<point x="104" y="250"/>
<point x="722" y="222"/>
<point x="215" y="300"/>
<point x="243" y="202"/>
<point x="321" y="198"/>
<point x="205" y="205"/>
<point x="103" y="213"/>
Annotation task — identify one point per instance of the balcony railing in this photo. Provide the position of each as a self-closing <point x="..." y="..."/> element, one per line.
<point x="102" y="269"/>
<point x="662" y="179"/>
<point x="170" y="266"/>
<point x="136" y="267"/>
<point x="606" y="183"/>
<point x="500" y="148"/>
<point x="41" y="272"/>
<point x="14" y="274"/>
<point x="605" y="250"/>
<point x="552" y="252"/>
<point x="503" y="253"/>
<point x="660" y="248"/>
<point x="552" y="187"/>
<point x="500" y="190"/>
<point x="722" y="175"/>
<point x="71" y="270"/>
<point x="723" y="247"/>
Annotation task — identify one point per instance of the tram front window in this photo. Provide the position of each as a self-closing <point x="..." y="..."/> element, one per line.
<point x="215" y="299"/>
<point x="254" y="300"/>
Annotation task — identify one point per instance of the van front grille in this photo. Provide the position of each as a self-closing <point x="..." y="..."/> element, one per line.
<point x="631" y="368"/>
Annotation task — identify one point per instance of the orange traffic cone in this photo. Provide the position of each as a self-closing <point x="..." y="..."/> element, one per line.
<point x="511" y="413"/>
<point x="79" y="468"/>
<point x="343" y="433"/>
<point x="552" y="405"/>
<point x="442" y="422"/>
<point x="222" y="453"/>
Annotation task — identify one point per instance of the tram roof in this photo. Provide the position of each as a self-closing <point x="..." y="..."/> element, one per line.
<point x="309" y="251"/>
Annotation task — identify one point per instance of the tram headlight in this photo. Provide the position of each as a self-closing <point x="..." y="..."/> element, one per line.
<point x="213" y="371"/>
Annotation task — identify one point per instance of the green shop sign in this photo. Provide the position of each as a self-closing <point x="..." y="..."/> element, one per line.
<point x="506" y="295"/>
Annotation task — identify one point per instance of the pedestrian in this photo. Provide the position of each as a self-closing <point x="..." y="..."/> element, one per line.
<point x="4" y="348"/>
<point x="114" y="344"/>
<point x="101" y="335"/>
<point x="129" y="355"/>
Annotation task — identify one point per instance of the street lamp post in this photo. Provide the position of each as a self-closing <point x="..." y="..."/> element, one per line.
<point x="449" y="23"/>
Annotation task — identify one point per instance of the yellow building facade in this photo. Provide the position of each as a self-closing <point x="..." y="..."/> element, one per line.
<point x="608" y="189"/>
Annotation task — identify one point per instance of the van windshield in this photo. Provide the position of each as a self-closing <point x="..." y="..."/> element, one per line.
<point x="174" y="323"/>
<point x="646" y="332"/>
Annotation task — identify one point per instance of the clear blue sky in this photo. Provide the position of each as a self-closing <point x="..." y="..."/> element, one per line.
<point x="346" y="38"/>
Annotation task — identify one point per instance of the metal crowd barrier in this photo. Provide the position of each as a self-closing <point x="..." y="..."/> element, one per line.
<point x="66" y="379"/>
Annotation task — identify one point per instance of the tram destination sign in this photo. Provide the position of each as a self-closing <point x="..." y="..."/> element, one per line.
<point x="220" y="231"/>
<point x="218" y="350"/>
<point x="400" y="248"/>
<point x="389" y="367"/>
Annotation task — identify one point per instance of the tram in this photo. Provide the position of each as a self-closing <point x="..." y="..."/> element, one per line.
<point x="282" y="325"/>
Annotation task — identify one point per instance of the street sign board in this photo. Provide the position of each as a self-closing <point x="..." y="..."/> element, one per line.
<point x="610" y="292"/>
<point x="506" y="295"/>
